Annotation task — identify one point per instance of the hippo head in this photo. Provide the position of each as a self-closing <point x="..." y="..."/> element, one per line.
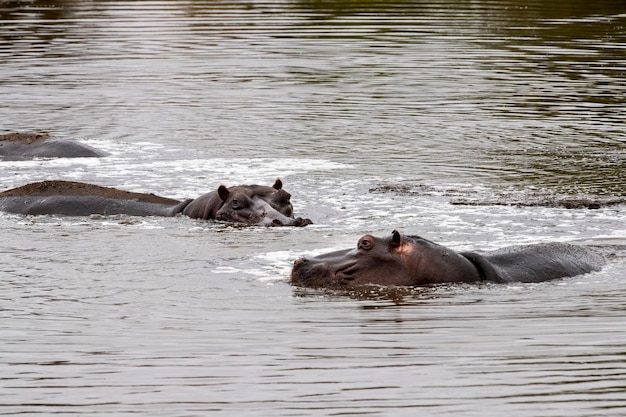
<point x="394" y="260"/>
<point x="257" y="205"/>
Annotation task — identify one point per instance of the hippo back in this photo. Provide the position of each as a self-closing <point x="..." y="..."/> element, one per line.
<point x="204" y="207"/>
<point x="81" y="199"/>
<point x="535" y="263"/>
<point x="66" y="205"/>
<point x="23" y="146"/>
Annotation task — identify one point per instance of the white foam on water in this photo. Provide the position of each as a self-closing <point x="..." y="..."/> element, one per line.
<point x="226" y="270"/>
<point x="277" y="265"/>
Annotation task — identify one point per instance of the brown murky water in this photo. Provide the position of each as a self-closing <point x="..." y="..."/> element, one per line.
<point x="377" y="115"/>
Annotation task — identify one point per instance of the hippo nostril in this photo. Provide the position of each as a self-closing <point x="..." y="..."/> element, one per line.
<point x="277" y="222"/>
<point x="299" y="262"/>
<point x="300" y="222"/>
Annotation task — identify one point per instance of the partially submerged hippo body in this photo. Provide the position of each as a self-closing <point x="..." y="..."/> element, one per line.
<point x="401" y="260"/>
<point x="248" y="204"/>
<point x="23" y="146"/>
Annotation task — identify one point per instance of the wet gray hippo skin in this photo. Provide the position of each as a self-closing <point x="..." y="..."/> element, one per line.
<point x="247" y="204"/>
<point x="413" y="261"/>
<point x="24" y="146"/>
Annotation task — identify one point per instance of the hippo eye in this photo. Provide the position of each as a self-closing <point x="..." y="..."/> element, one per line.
<point x="236" y="205"/>
<point x="365" y="244"/>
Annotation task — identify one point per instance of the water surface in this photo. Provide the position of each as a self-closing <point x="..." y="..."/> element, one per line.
<point x="377" y="115"/>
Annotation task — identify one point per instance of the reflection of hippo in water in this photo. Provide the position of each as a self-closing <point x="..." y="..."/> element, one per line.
<point x="21" y="146"/>
<point x="412" y="261"/>
<point x="248" y="204"/>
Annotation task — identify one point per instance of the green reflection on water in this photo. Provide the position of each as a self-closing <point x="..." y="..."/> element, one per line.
<point x="599" y="170"/>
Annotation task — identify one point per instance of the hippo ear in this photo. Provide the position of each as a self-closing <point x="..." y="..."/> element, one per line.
<point x="278" y="184"/>
<point x="223" y="192"/>
<point x="395" y="239"/>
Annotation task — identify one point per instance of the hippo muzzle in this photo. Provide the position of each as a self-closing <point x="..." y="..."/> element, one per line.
<point x="335" y="269"/>
<point x="258" y="212"/>
<point x="284" y="221"/>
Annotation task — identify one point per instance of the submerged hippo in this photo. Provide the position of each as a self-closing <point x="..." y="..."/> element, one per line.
<point x="248" y="204"/>
<point x="412" y="261"/>
<point x="22" y="146"/>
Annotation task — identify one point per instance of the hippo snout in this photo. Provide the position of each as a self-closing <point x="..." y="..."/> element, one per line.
<point x="297" y="222"/>
<point x="310" y="273"/>
<point x="297" y="273"/>
<point x="300" y="222"/>
<point x="335" y="269"/>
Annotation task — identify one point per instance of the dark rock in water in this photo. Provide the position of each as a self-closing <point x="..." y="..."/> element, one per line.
<point x="563" y="202"/>
<point x="516" y="199"/>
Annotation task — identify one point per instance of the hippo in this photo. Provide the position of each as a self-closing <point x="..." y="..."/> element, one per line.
<point x="251" y="204"/>
<point x="401" y="260"/>
<point x="247" y="204"/>
<point x="20" y="146"/>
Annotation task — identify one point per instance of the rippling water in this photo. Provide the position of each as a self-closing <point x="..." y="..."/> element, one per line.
<point x="377" y="115"/>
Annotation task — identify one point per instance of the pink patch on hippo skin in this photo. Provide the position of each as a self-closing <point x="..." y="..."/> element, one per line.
<point x="403" y="248"/>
